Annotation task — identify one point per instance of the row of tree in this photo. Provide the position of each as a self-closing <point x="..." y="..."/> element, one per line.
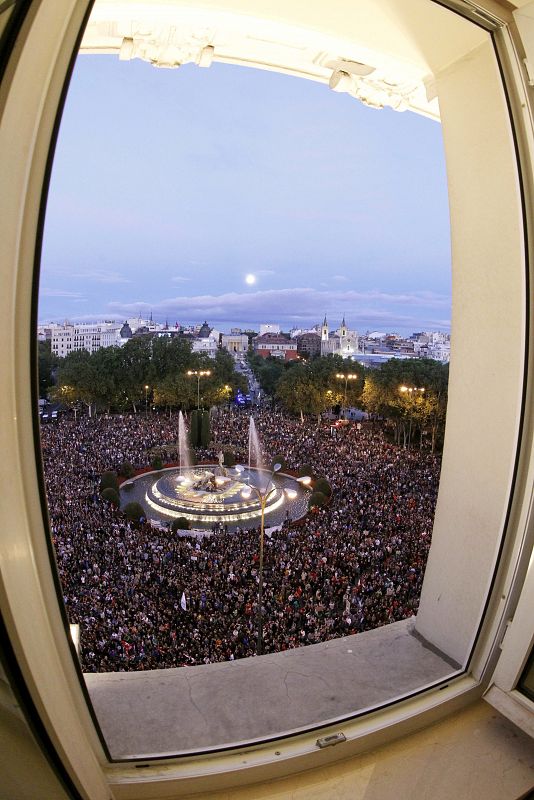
<point x="145" y="371"/>
<point x="410" y="394"/>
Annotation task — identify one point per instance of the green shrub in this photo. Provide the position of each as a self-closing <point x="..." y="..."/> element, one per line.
<point x="180" y="524"/>
<point x="317" y="500"/>
<point x="156" y="463"/>
<point x="199" y="428"/>
<point x="279" y="460"/>
<point x="126" y="470"/>
<point x="321" y="485"/>
<point x="111" y="496"/>
<point x="305" y="469"/>
<point x="205" y="433"/>
<point x="109" y="480"/>
<point x="134" y="511"/>
<point x="194" y="434"/>
<point x="229" y="458"/>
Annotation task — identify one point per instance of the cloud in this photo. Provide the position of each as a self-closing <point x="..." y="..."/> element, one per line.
<point x="301" y="306"/>
<point x="339" y="278"/>
<point x="99" y="276"/>
<point x="179" y="279"/>
<point x="44" y="292"/>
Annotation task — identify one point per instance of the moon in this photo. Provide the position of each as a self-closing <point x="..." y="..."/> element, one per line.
<point x="250" y="279"/>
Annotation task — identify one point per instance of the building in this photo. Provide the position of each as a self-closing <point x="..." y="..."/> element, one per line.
<point x="275" y="345"/>
<point x="68" y="337"/>
<point x="476" y="605"/>
<point x="309" y="344"/>
<point x="234" y="342"/>
<point x="342" y="341"/>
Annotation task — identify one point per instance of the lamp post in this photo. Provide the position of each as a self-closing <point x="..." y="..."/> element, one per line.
<point x="350" y="376"/>
<point x="200" y="373"/>
<point x="147" y="387"/>
<point x="263" y="497"/>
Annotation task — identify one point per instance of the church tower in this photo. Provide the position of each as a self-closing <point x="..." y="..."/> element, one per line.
<point x="324" y="330"/>
<point x="343" y="330"/>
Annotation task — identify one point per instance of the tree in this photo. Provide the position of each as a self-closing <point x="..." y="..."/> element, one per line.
<point x="47" y="364"/>
<point x="299" y="393"/>
<point x="133" y="371"/>
<point x="410" y="394"/>
<point x="175" y="390"/>
<point x="77" y="379"/>
<point x="268" y="372"/>
<point x="170" y="356"/>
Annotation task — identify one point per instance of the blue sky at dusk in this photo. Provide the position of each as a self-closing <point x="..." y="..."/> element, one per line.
<point x="170" y="186"/>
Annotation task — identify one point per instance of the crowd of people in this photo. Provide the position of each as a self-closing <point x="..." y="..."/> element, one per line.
<point x="147" y="598"/>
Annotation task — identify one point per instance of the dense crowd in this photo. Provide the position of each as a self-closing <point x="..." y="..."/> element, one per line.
<point x="352" y="566"/>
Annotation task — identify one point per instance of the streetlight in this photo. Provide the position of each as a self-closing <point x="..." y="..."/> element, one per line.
<point x="263" y="497"/>
<point x="147" y="387"/>
<point x="411" y="390"/>
<point x="200" y="373"/>
<point x="351" y="376"/>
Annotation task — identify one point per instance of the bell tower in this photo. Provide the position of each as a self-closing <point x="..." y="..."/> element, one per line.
<point x="324" y="330"/>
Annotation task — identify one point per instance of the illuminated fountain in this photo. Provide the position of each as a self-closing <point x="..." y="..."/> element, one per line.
<point x="210" y="494"/>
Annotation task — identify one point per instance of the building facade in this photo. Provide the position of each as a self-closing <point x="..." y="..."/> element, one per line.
<point x="67" y="338"/>
<point x="275" y="345"/>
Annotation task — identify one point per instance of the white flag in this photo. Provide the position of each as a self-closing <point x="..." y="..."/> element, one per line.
<point x="183" y="602"/>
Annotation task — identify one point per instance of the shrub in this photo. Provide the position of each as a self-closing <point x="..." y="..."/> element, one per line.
<point x="279" y="460"/>
<point x="134" y="512"/>
<point x="229" y="458"/>
<point x="111" y="495"/>
<point x="194" y="429"/>
<point x="109" y="480"/>
<point x="317" y="500"/>
<point x="205" y="433"/>
<point x="321" y="485"/>
<point x="180" y="524"/>
<point x="199" y="429"/>
<point x="305" y="469"/>
<point x="126" y="470"/>
<point x="156" y="463"/>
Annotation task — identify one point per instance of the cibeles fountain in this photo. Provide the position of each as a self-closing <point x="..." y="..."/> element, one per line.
<point x="211" y="494"/>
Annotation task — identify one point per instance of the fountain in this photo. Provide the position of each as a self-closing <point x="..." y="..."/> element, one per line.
<point x="183" y="447"/>
<point x="208" y="494"/>
<point x="254" y="447"/>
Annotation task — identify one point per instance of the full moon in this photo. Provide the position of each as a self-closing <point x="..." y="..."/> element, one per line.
<point x="250" y="279"/>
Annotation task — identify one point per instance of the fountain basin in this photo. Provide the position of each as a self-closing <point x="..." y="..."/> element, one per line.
<point x="205" y="497"/>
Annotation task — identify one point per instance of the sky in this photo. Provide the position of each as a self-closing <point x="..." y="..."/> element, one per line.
<point x="170" y="187"/>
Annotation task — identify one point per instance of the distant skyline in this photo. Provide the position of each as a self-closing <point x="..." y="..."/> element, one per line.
<point x="170" y="187"/>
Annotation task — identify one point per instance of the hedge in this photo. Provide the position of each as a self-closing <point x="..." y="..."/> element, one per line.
<point x="109" y="480"/>
<point x="111" y="496"/>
